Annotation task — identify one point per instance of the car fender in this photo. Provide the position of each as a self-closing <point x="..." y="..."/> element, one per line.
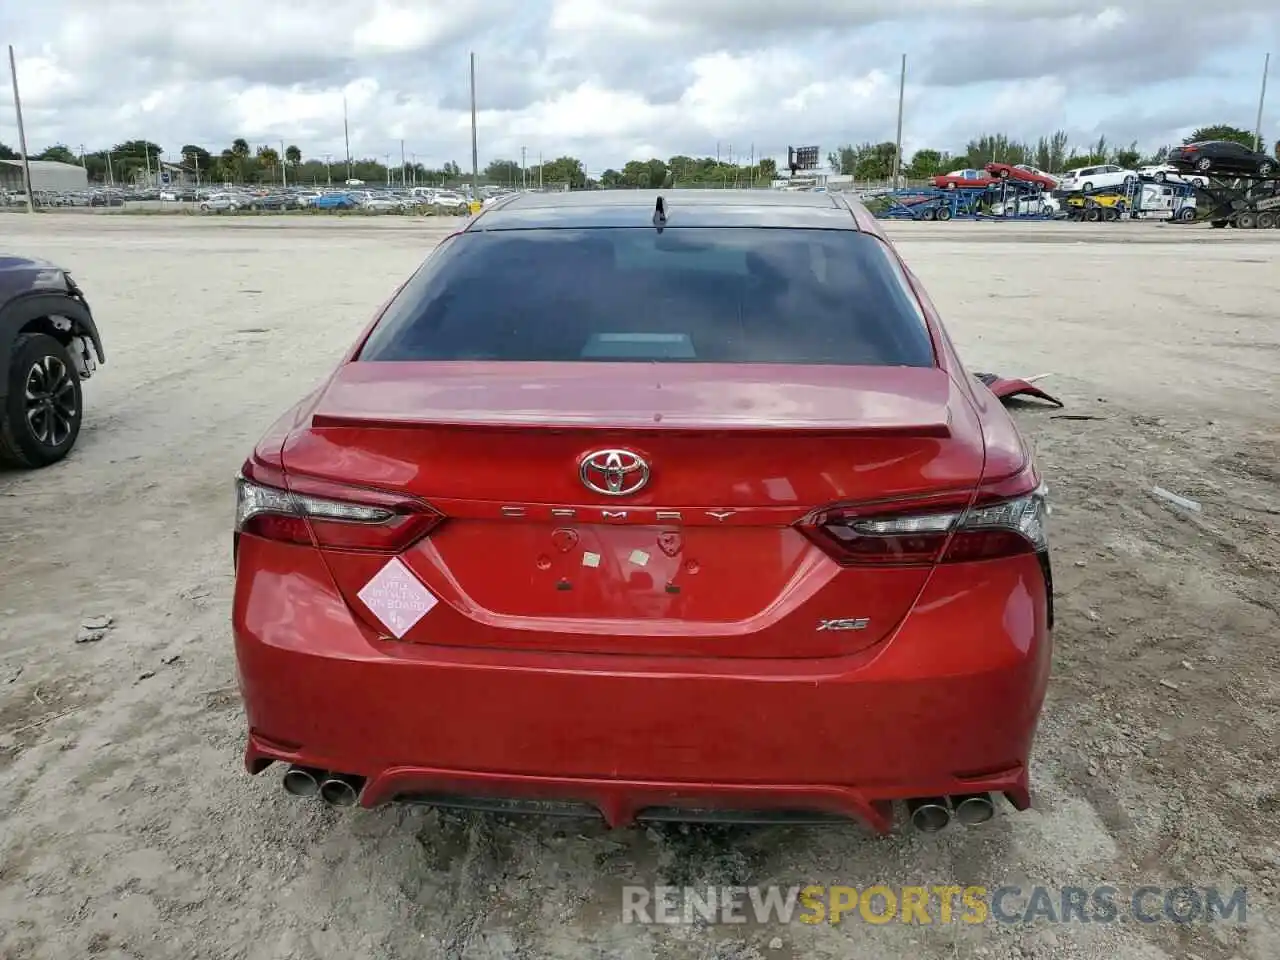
<point x="24" y="308"/>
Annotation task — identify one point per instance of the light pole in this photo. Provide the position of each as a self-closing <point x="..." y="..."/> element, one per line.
<point x="897" y="153"/>
<point x="346" y="136"/>
<point x="1262" y="99"/>
<point x="475" y="153"/>
<point x="22" y="132"/>
<point x="524" y="171"/>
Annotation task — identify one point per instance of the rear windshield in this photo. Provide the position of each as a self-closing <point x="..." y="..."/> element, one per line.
<point x="693" y="295"/>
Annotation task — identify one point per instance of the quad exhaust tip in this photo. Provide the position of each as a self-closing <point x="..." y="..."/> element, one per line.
<point x="340" y="790"/>
<point x="973" y="808"/>
<point x="335" y="789"/>
<point x="302" y="781"/>
<point x="931" y="814"/>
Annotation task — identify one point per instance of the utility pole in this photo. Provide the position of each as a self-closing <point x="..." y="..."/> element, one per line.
<point x="402" y="167"/>
<point x="1262" y="99"/>
<point x="539" y="169"/>
<point x="388" y="168"/>
<point x="897" y="155"/>
<point x="284" y="177"/>
<point x="475" y="153"/>
<point x="22" y="132"/>
<point x="328" y="168"/>
<point x="346" y="137"/>
<point x="524" y="171"/>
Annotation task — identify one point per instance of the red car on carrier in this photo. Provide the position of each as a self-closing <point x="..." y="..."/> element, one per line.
<point x="655" y="507"/>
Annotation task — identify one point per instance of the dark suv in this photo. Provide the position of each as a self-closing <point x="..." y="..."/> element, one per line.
<point x="1223" y="157"/>
<point x="48" y="344"/>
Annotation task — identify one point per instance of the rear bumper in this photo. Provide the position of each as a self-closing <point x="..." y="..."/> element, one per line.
<point x="948" y="704"/>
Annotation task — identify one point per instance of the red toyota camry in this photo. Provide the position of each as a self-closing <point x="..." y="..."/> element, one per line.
<point x="651" y="507"/>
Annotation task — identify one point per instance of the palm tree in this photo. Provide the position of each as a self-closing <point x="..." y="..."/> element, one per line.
<point x="293" y="155"/>
<point x="268" y="157"/>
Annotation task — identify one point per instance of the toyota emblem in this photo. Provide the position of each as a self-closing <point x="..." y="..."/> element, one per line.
<point x="615" y="473"/>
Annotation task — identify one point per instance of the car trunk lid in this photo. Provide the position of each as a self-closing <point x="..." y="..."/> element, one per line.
<point x="703" y="559"/>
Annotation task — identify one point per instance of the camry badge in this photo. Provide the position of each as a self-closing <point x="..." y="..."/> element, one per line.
<point x="615" y="473"/>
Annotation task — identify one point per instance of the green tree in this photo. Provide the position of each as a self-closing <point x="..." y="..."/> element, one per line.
<point x="650" y="174"/>
<point x="875" y="161"/>
<point x="7" y="152"/>
<point x="293" y="156"/>
<point x="58" y="152"/>
<point x="995" y="148"/>
<point x="564" y="170"/>
<point x="197" y="160"/>
<point x="1221" y="131"/>
<point x="611" y="178"/>
<point x="844" y="160"/>
<point x="1128" y="157"/>
<point x="506" y="172"/>
<point x="240" y="147"/>
<point x="927" y="163"/>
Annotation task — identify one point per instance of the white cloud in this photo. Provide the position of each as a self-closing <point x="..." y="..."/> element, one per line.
<point x="613" y="80"/>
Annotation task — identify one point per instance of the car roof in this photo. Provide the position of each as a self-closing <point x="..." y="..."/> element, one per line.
<point x="688" y="208"/>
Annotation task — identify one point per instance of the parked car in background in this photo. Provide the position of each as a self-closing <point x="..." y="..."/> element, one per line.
<point x="452" y="202"/>
<point x="218" y="202"/>
<point x="275" y="201"/>
<point x="335" y="201"/>
<point x="957" y="179"/>
<point x="1167" y="172"/>
<point x="760" y="504"/>
<point x="1026" y="174"/>
<point x="1097" y="177"/>
<point x="49" y="342"/>
<point x="1223" y="157"/>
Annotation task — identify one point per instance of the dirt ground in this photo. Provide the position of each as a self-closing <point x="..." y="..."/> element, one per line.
<point x="129" y="829"/>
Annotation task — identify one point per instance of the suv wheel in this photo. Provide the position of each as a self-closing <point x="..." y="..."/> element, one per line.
<point x="42" y="412"/>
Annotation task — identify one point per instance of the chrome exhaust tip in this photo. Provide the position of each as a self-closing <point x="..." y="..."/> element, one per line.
<point x="973" y="808"/>
<point x="341" y="790"/>
<point x="302" y="781"/>
<point x="929" y="814"/>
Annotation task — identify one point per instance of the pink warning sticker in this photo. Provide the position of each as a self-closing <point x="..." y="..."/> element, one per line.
<point x="397" y="597"/>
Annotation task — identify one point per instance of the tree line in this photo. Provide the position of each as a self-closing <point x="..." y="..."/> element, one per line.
<point x="241" y="163"/>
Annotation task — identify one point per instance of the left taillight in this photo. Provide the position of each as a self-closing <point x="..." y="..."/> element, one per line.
<point x="328" y="515"/>
<point x="943" y="530"/>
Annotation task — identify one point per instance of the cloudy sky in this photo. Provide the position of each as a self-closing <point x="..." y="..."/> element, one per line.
<point x="612" y="80"/>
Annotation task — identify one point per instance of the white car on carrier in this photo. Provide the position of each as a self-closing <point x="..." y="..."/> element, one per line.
<point x="1096" y="177"/>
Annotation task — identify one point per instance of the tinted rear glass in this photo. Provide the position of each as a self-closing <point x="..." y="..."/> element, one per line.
<point x="699" y="295"/>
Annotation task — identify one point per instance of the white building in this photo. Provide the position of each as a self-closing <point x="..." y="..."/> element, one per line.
<point x="46" y="175"/>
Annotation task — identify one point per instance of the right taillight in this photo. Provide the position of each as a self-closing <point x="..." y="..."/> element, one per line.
<point x="327" y="514"/>
<point x="992" y="525"/>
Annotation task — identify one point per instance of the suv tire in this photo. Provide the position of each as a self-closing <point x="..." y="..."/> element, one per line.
<point x="39" y="430"/>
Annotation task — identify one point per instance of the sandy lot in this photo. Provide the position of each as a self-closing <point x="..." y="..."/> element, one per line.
<point x="129" y="829"/>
